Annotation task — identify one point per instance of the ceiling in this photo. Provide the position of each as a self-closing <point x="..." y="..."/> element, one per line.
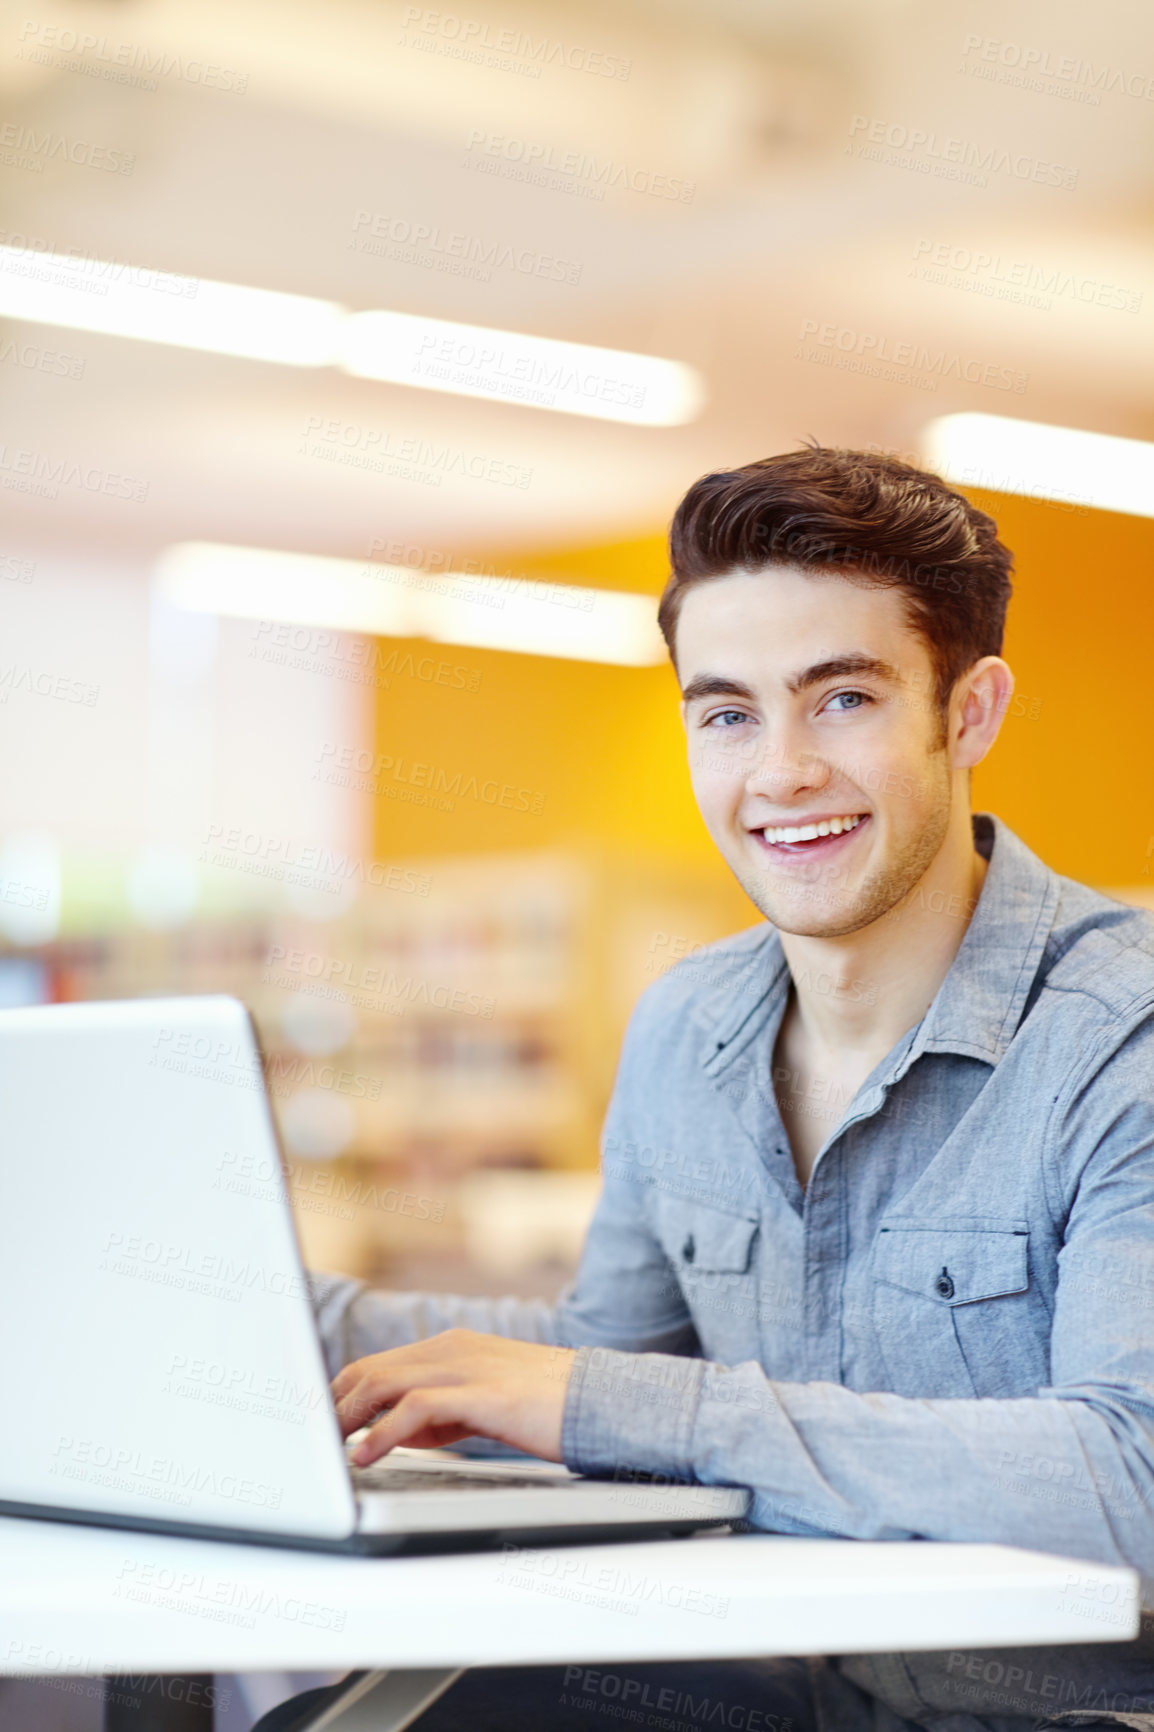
<point x="792" y="272"/>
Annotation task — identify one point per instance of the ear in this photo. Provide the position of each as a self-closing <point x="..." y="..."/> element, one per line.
<point x="979" y="703"/>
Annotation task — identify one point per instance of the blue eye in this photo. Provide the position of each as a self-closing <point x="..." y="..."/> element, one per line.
<point x="723" y="715"/>
<point x="863" y="696"/>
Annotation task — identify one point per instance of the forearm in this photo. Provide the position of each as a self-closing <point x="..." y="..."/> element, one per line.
<point x="355" y="1320"/>
<point x="623" y="1297"/>
<point x="1066" y="1472"/>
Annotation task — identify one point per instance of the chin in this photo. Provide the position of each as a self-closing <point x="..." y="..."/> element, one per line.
<point x="831" y="927"/>
<point x="805" y="922"/>
<point x="819" y="910"/>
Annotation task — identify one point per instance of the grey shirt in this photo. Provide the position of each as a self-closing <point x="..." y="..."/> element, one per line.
<point x="949" y="1335"/>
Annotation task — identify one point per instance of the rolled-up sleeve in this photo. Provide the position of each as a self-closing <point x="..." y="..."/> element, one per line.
<point x="354" y="1320"/>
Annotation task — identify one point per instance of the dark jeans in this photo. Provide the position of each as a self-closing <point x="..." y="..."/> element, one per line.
<point x="677" y="1696"/>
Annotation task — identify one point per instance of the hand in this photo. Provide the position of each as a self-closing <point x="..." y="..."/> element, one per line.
<point x="458" y="1384"/>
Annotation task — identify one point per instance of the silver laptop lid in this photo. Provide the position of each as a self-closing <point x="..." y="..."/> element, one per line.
<point x="158" y="1357"/>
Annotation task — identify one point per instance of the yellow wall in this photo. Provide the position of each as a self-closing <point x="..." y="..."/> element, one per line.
<point x="602" y="747"/>
<point x="1077" y="781"/>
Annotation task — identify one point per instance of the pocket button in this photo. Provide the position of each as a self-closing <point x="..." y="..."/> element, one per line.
<point x="689" y="1249"/>
<point x="944" y="1285"/>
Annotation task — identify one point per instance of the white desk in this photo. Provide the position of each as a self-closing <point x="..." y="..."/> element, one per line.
<point x="97" y="1600"/>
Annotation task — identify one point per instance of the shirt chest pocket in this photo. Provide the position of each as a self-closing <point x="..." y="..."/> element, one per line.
<point x="949" y="1304"/>
<point x="698" y="1239"/>
<point x="711" y="1254"/>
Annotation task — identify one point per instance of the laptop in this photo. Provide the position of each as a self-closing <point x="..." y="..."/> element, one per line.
<point x="160" y="1354"/>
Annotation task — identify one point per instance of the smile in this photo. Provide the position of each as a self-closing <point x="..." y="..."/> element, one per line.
<point x="777" y="834"/>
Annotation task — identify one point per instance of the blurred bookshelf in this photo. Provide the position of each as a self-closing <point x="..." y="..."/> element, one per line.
<point x="439" y="1054"/>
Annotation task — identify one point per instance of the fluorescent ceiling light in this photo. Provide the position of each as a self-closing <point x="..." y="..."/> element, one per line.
<point x="472" y="361"/>
<point x="120" y="300"/>
<point x="1043" y="462"/>
<point x="125" y="301"/>
<point x="595" y="625"/>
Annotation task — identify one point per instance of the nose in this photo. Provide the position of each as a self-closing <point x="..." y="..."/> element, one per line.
<point x="784" y="764"/>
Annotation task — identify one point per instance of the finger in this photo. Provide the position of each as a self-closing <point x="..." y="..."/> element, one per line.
<point x="384" y="1381"/>
<point x="346" y="1379"/>
<point x="372" y="1396"/>
<point x="434" y="1436"/>
<point x="416" y="1415"/>
<point x="358" y="1369"/>
<point x="351" y="1374"/>
<point x="449" y="1347"/>
<point x="360" y="1403"/>
<point x="451" y="1355"/>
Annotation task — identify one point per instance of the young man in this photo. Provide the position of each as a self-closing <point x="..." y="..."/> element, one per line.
<point x="877" y="1230"/>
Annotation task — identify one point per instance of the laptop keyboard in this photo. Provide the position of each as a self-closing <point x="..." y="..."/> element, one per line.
<point x="382" y="1477"/>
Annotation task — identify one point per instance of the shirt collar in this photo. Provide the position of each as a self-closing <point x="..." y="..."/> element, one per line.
<point x="980" y="1002"/>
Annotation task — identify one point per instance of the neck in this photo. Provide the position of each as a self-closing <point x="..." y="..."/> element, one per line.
<point x="855" y="996"/>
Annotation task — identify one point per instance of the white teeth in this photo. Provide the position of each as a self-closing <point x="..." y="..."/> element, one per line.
<point x="810" y="832"/>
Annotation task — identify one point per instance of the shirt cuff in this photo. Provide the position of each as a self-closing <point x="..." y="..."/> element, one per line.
<point x="332" y="1298"/>
<point x="631" y="1410"/>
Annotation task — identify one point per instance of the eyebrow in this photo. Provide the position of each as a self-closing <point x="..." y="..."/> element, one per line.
<point x="851" y="665"/>
<point x="854" y="665"/>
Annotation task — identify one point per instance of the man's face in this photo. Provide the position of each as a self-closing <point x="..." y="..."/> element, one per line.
<point x="809" y="701"/>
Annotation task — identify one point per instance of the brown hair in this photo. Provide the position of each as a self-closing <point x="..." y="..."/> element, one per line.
<point x="870" y="518"/>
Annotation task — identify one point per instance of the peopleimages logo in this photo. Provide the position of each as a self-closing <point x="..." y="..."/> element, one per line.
<point x="42" y="684"/>
<point x="608" y="1585"/>
<point x="874" y="350"/>
<point x="500" y="368"/>
<point x="311" y="866"/>
<point x="410" y="457"/>
<point x="40" y="360"/>
<point x="24" y="147"/>
<point x="359" y="979"/>
<point x="506" y="50"/>
<point x="421" y="783"/>
<point x="37" y="472"/>
<point x="67" y="266"/>
<point x="927" y="152"/>
<point x="219" y="1597"/>
<point x="1027" y="67"/>
<point x="362" y="661"/>
<point x="458" y="253"/>
<point x="121" y="1468"/>
<point x="1016" y="280"/>
<point x="572" y="171"/>
<point x="120" y="62"/>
